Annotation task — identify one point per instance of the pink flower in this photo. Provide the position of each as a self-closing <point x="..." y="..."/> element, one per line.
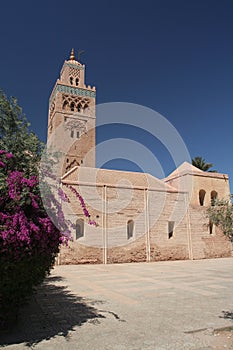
<point x="92" y="222"/>
<point x="9" y="156"/>
<point x="82" y="203"/>
<point x="26" y="228"/>
<point x="62" y="195"/>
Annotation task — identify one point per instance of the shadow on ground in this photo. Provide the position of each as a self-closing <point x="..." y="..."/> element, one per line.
<point x="227" y="314"/>
<point x="52" y="311"/>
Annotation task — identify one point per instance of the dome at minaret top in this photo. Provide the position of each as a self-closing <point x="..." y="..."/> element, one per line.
<point x="72" y="56"/>
<point x="73" y="60"/>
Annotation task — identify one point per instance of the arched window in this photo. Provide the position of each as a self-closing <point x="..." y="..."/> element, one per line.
<point x="65" y="105"/>
<point x="202" y="197"/>
<point x="71" y="80"/>
<point x="85" y="108"/>
<point x="130" y="229"/>
<point x="77" y="81"/>
<point x="79" y="107"/>
<point x="72" y="133"/>
<point x="211" y="227"/>
<point x="171" y="225"/>
<point x="79" y="228"/>
<point x="213" y="197"/>
<point x="72" y="106"/>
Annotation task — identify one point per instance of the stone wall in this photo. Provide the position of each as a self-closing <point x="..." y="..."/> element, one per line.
<point x="204" y="243"/>
<point x="151" y="241"/>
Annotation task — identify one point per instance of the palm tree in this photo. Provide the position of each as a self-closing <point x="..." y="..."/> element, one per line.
<point x="200" y="163"/>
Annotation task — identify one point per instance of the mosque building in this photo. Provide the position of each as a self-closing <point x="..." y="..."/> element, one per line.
<point x="139" y="217"/>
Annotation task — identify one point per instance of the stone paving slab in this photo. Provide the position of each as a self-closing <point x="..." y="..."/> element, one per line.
<point x="142" y="306"/>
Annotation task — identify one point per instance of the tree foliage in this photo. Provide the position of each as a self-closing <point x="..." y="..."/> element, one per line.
<point x="32" y="222"/>
<point x="16" y="137"/>
<point x="201" y="164"/>
<point x="220" y="213"/>
<point x="29" y="240"/>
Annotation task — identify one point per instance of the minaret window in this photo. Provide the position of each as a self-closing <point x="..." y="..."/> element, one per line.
<point x="71" y="80"/>
<point x="85" y="107"/>
<point x="77" y="81"/>
<point x="65" y="105"/>
<point x="72" y="106"/>
<point x="73" y="133"/>
<point x="79" y="107"/>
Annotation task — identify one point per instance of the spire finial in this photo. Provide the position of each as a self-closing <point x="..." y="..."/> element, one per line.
<point x="72" y="56"/>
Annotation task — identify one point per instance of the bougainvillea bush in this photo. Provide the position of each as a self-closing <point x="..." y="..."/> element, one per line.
<point x="32" y="222"/>
<point x="29" y="240"/>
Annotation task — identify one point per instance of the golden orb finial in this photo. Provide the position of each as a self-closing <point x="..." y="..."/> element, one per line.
<point x="72" y="56"/>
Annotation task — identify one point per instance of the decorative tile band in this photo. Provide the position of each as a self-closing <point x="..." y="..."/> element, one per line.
<point x="74" y="66"/>
<point x="75" y="91"/>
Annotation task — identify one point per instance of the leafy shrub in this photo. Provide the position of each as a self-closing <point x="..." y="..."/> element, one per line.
<point x="29" y="240"/>
<point x="220" y="213"/>
<point x="32" y="222"/>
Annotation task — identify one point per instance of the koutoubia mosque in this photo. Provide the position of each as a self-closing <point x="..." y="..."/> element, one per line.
<point x="139" y="217"/>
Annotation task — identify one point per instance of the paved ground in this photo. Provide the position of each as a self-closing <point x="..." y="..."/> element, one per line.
<point x="156" y="306"/>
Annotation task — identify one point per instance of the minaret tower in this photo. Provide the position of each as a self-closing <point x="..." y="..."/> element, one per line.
<point x="72" y="113"/>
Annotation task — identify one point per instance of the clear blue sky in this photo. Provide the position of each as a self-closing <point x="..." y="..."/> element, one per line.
<point x="174" y="56"/>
